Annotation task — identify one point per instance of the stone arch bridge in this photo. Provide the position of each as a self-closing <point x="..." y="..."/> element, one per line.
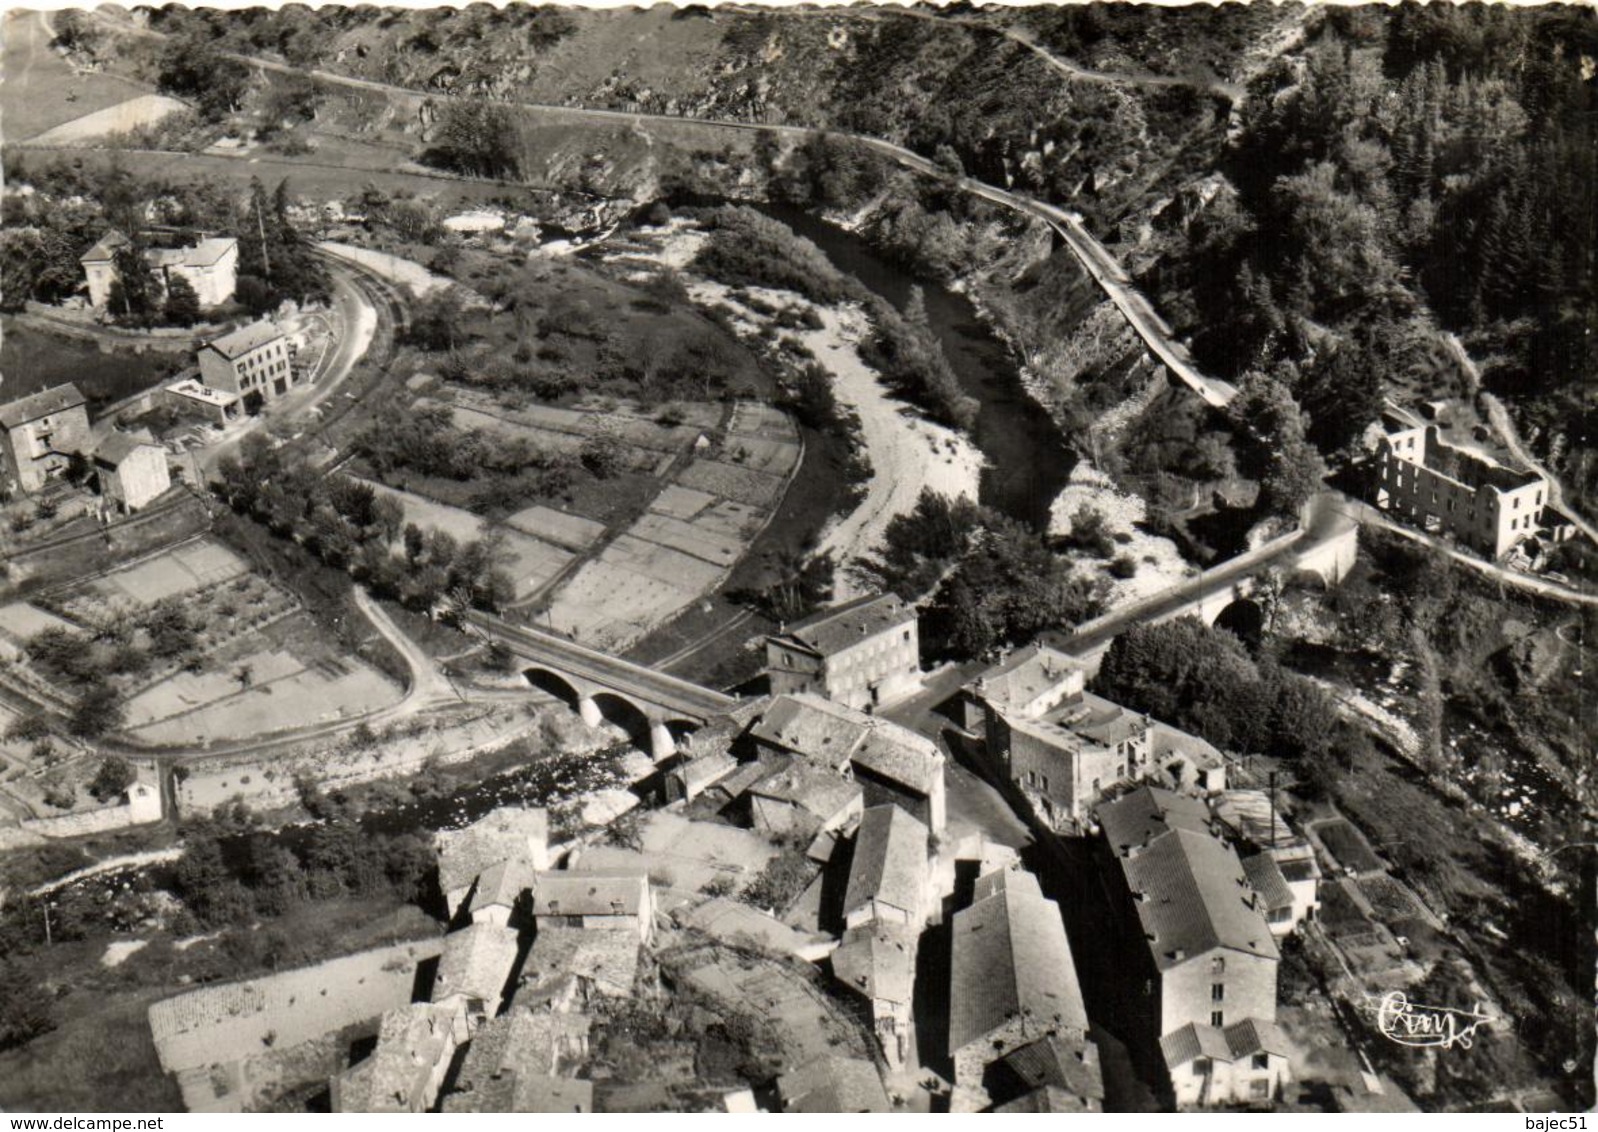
<point x="1326" y="545"/>
<point x="656" y="709"/>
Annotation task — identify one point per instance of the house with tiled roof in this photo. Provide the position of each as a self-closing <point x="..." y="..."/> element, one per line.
<point x="798" y="797"/>
<point x="251" y="364"/>
<point x="210" y="266"/>
<point x="1057" y="1075"/>
<point x="521" y="1062"/>
<point x="877" y="962"/>
<point x="1013" y="981"/>
<point x="863" y="653"/>
<point x="888" y="872"/>
<point x="595" y="901"/>
<point x="1244" y="1063"/>
<point x="132" y="470"/>
<point x="1209" y="954"/>
<point x="1065" y="748"/>
<point x="501" y="890"/>
<point x="604" y="963"/>
<point x="509" y="834"/>
<point x="39" y="433"/>
<point x="403" y="1073"/>
<point x="834" y="1085"/>
<point x="891" y="763"/>
<point x="478" y="964"/>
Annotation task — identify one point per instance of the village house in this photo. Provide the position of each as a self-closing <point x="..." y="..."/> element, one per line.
<point x="497" y="899"/>
<point x="1245" y="1063"/>
<point x="132" y="471"/>
<point x="799" y="798"/>
<point x="1279" y="862"/>
<point x="599" y="963"/>
<point x="888" y="874"/>
<point x="250" y="364"/>
<point x="1446" y="490"/>
<point x="833" y="1085"/>
<point x="210" y="266"/>
<point x="415" y="1045"/>
<point x="512" y="834"/>
<point x="1012" y="982"/>
<point x="892" y="764"/>
<point x="478" y="965"/>
<point x="1064" y="748"/>
<point x="877" y="961"/>
<point x="692" y="775"/>
<point x="518" y="1063"/>
<point x="1210" y="956"/>
<point x="42" y="431"/>
<point x="1052" y="1074"/>
<point x="862" y="654"/>
<point x="595" y="901"/>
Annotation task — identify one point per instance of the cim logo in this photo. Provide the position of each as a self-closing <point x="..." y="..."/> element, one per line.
<point x="1416" y="1024"/>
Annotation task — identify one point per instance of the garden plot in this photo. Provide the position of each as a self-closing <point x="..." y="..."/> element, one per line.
<point x="476" y="410"/>
<point x="19" y="621"/>
<point x="675" y="534"/>
<point x="751" y="418"/>
<point x="531" y="562"/>
<point x="630" y="588"/>
<point x="282" y="691"/>
<point x="571" y="531"/>
<point x="178" y="571"/>
<point x="731" y="481"/>
<point x="775" y="457"/>
<point x="681" y="502"/>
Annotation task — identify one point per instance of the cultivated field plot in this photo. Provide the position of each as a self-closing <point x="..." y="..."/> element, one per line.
<point x="531" y="562"/>
<point x="284" y="689"/>
<point x="735" y="482"/>
<point x="1348" y="845"/>
<point x="615" y="598"/>
<point x="135" y="113"/>
<point x="179" y="571"/>
<point x="571" y="531"/>
<point x="695" y="531"/>
<point x="42" y="89"/>
<point x="564" y="430"/>
<point x="19" y="621"/>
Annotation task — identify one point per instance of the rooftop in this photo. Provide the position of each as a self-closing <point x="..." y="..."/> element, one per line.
<point x="503" y="883"/>
<point x="607" y="958"/>
<point x="834" y="1085"/>
<point x="508" y="834"/>
<point x="817" y="790"/>
<point x="900" y="755"/>
<point x="513" y="1059"/>
<point x="1235" y="1042"/>
<point x="477" y="962"/>
<point x="246" y="338"/>
<point x="1059" y="1062"/>
<point x="1028" y="674"/>
<point x="591" y="894"/>
<point x="833" y="630"/>
<point x="889" y="862"/>
<point x="1193" y="896"/>
<point x="1141" y="815"/>
<point x="1265" y="877"/>
<point x="56" y="399"/>
<point x="118" y="446"/>
<point x="1010" y="957"/>
<point x="410" y="1041"/>
<point x="877" y="961"/>
<point x="812" y="726"/>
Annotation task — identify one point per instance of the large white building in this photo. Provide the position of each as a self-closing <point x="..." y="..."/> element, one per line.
<point x="210" y="266"/>
<point x="251" y="362"/>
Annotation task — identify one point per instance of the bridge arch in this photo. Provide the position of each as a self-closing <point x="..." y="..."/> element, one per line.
<point x="627" y="715"/>
<point x="1244" y="618"/>
<point x="557" y="685"/>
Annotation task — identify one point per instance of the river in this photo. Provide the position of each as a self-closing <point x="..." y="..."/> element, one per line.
<point x="1028" y="461"/>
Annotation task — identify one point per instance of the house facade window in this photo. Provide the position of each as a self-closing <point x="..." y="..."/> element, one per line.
<point x="1217" y="1018"/>
<point x="1218" y="992"/>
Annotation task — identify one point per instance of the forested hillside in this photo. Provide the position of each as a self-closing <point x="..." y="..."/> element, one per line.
<point x="1414" y="170"/>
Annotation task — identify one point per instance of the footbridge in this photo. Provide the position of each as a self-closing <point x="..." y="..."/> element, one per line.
<point x="656" y="709"/>
<point x="1326" y="545"/>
